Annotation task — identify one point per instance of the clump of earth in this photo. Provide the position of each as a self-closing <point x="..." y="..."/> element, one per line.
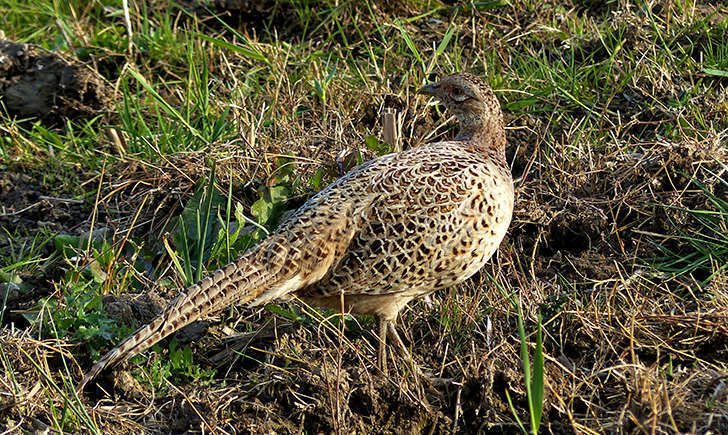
<point x="44" y="85"/>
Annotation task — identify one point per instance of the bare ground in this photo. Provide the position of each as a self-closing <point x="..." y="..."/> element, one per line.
<point x="628" y="350"/>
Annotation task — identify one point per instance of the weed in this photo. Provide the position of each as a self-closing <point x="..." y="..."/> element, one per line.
<point x="616" y="120"/>
<point x="533" y="378"/>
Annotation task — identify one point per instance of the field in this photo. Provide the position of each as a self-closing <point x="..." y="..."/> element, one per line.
<point x="174" y="135"/>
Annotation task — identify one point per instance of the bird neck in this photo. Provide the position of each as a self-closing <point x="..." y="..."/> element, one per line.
<point x="486" y="132"/>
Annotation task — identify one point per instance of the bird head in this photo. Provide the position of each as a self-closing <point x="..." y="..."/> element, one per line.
<point x="466" y="96"/>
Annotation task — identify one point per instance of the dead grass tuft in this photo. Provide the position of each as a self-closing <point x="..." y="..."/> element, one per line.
<point x="614" y="112"/>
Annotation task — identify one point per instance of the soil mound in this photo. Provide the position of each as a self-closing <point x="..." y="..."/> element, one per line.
<point x="40" y="84"/>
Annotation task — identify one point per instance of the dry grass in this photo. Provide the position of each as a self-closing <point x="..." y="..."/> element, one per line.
<point x="615" y="112"/>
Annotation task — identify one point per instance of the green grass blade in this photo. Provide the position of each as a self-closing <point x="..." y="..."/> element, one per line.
<point x="537" y="382"/>
<point x="445" y="40"/>
<point x="409" y="42"/>
<point x="715" y="72"/>
<point x="515" y="414"/>
<point x="247" y="52"/>
<point x="206" y="221"/>
<point x="525" y="362"/>
<point x="228" y="211"/>
<point x="186" y="253"/>
<point x="171" y="111"/>
<point x="175" y="260"/>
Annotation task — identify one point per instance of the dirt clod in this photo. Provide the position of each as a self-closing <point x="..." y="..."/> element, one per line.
<point x="38" y="83"/>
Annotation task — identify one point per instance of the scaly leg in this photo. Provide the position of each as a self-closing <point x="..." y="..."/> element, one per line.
<point x="404" y="353"/>
<point x="382" y="353"/>
<point x="402" y="349"/>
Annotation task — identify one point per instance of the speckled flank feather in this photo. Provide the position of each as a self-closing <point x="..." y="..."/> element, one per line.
<point x="395" y="228"/>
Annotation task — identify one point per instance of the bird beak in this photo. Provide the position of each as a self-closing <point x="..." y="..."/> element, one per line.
<point x="431" y="89"/>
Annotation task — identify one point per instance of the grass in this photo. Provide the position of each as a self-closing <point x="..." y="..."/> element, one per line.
<point x="706" y="253"/>
<point x="222" y="120"/>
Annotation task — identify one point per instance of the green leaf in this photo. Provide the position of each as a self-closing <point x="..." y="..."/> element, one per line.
<point x="261" y="209"/>
<point x="488" y="5"/>
<point x="240" y="218"/>
<point x="372" y="142"/>
<point x="288" y="314"/>
<point x="66" y="244"/>
<point x="379" y="148"/>
<point x="278" y="194"/>
<point x="317" y="178"/>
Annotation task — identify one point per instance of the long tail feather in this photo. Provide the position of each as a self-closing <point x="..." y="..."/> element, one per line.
<point x="238" y="282"/>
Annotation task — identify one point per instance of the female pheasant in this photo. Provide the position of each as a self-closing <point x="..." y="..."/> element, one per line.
<point x="396" y="228"/>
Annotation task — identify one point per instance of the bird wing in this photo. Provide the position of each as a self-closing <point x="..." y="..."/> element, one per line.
<point x="414" y="231"/>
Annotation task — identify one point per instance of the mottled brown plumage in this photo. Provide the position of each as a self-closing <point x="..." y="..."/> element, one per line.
<point x="396" y="228"/>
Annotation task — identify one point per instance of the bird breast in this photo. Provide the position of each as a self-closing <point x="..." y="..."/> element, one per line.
<point x="482" y="218"/>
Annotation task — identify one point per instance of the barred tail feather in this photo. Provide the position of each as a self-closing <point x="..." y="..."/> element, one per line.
<point x="238" y="282"/>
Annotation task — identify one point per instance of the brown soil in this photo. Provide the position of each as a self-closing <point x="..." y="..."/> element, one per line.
<point x="627" y="350"/>
<point x="39" y="84"/>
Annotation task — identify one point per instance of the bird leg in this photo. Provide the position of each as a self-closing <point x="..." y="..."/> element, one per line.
<point x="401" y="348"/>
<point x="382" y="353"/>
<point x="387" y="329"/>
<point x="404" y="353"/>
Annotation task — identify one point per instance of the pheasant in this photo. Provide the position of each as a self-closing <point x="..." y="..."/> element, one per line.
<point x="396" y="228"/>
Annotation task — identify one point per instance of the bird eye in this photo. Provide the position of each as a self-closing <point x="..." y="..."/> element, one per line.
<point x="458" y="94"/>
